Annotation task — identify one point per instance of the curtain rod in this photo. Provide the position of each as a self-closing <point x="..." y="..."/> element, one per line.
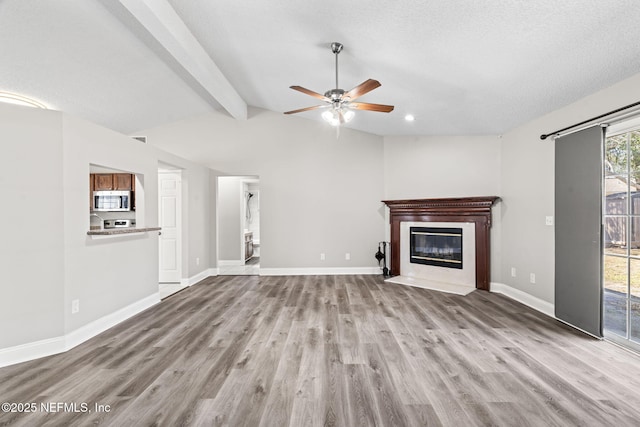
<point x="626" y="107"/>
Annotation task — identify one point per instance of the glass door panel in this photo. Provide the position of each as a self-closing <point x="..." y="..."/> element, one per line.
<point x="615" y="235"/>
<point x="634" y="299"/>
<point x="615" y="294"/>
<point x="616" y="155"/>
<point x="621" y="238"/>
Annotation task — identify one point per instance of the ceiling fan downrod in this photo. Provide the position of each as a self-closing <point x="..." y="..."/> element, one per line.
<point x="336" y="95"/>
<point x="336" y="48"/>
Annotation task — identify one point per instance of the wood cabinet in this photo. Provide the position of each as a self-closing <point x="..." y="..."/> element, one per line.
<point x="102" y="181"/>
<point x="122" y="181"/>
<point x="113" y="181"/>
<point x="92" y="188"/>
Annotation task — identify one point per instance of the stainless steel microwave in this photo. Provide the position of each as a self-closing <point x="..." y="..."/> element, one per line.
<point x="112" y="201"/>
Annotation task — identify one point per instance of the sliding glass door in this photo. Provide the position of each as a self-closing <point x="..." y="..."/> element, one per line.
<point x="621" y="237"/>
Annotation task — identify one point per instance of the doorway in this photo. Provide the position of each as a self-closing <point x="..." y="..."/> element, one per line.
<point x="621" y="234"/>
<point x="170" y="219"/>
<point x="238" y="225"/>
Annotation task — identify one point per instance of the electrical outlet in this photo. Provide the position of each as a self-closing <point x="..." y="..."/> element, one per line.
<point x="347" y="256"/>
<point x="322" y="256"/>
<point x="513" y="272"/>
<point x="548" y="220"/>
<point x="75" y="306"/>
<point x="532" y="278"/>
<point x="197" y="261"/>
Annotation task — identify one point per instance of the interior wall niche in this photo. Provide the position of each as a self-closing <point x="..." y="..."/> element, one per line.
<point x="475" y="210"/>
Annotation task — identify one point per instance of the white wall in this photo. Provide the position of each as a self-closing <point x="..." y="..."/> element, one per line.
<point x="340" y="182"/>
<point x="31" y="214"/>
<point x="196" y="220"/>
<point x="418" y="167"/>
<point x="446" y="166"/>
<point x="230" y="218"/>
<point x="318" y="193"/>
<point x="527" y="176"/>
<point x="109" y="274"/>
<point x="47" y="258"/>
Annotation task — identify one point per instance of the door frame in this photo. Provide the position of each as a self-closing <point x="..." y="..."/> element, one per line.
<point x="233" y="266"/>
<point x="623" y="127"/>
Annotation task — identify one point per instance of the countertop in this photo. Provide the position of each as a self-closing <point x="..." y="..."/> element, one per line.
<point x="125" y="230"/>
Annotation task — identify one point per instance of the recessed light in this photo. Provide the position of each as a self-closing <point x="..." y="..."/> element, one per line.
<point x="409" y="117"/>
<point x="15" y="99"/>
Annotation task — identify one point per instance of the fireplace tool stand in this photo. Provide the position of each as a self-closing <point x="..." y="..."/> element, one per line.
<point x="381" y="256"/>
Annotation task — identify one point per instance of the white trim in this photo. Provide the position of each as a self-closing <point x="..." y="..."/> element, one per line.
<point x="524" y="298"/>
<point x="29" y="351"/>
<point x="47" y="347"/>
<point x="229" y="262"/>
<point x="319" y="271"/>
<point x="190" y="281"/>
<point x="98" y="326"/>
<point x="198" y="277"/>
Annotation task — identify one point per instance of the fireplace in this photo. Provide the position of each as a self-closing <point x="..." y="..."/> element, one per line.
<point x="473" y="214"/>
<point x="441" y="247"/>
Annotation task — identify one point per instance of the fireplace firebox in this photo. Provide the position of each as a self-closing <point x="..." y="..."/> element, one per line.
<point x="441" y="247"/>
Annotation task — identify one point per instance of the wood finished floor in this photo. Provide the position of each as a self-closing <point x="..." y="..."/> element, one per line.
<point x="332" y="351"/>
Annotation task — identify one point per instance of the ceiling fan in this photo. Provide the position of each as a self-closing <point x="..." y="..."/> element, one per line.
<point x="340" y="102"/>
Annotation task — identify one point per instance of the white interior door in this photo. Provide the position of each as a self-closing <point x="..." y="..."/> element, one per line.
<point x="170" y="219"/>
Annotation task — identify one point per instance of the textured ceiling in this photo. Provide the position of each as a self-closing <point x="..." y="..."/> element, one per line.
<point x="461" y="66"/>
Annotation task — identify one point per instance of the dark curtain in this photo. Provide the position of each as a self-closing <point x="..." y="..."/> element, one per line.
<point x="578" y="229"/>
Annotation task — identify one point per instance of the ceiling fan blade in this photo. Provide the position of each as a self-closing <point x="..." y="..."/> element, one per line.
<point x="315" y="107"/>
<point x="310" y="92"/>
<point x="362" y="88"/>
<point x="371" y="107"/>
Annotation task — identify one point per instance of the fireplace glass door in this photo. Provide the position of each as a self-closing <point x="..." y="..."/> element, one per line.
<point x="441" y="247"/>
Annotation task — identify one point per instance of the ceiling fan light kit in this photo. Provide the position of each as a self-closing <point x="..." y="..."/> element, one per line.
<point x="340" y="102"/>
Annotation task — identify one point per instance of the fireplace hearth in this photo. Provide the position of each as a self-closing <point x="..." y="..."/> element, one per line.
<point x="441" y="247"/>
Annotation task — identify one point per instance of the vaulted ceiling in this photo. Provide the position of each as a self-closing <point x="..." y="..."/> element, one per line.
<point x="460" y="66"/>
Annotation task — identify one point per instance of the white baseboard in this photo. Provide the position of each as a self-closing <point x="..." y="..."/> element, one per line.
<point x="35" y="350"/>
<point x="198" y="277"/>
<point x="524" y="298"/>
<point x="98" y="326"/>
<point x="190" y="281"/>
<point x="318" y="271"/>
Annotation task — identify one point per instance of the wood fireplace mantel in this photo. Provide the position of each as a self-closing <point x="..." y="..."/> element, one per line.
<point x="462" y="209"/>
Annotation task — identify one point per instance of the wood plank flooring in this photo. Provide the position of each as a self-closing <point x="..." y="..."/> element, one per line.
<point x="330" y="351"/>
